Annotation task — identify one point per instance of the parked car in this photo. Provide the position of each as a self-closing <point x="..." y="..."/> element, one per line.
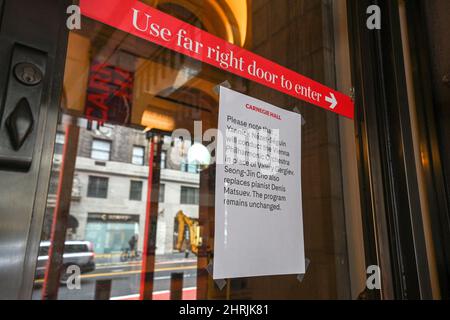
<point x="78" y="253"/>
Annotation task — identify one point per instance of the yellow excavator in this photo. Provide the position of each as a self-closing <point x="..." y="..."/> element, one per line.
<point x="184" y="221"/>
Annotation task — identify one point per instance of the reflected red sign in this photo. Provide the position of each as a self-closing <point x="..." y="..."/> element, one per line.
<point x="138" y="19"/>
<point x="109" y="93"/>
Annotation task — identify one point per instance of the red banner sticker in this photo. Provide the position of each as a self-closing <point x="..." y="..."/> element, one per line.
<point x="143" y="21"/>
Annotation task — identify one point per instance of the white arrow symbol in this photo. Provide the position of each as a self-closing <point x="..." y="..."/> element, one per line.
<point x="332" y="99"/>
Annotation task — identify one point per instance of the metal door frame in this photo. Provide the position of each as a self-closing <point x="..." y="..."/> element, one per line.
<point x="392" y="217"/>
<point x="432" y="148"/>
<point x="37" y="26"/>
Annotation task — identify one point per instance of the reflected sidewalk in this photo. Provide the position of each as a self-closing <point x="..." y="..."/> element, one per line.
<point x="103" y="260"/>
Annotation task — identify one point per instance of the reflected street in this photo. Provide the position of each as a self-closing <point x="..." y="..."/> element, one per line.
<point x="125" y="278"/>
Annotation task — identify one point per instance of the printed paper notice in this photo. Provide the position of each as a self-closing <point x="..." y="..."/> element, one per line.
<point x="258" y="218"/>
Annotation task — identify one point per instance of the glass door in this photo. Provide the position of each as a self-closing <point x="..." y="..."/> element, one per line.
<point x="124" y="204"/>
<point x="130" y="210"/>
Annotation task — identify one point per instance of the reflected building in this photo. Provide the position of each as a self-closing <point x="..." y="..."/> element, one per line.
<point x="108" y="203"/>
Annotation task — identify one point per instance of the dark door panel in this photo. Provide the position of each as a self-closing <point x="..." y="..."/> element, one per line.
<point x="32" y="49"/>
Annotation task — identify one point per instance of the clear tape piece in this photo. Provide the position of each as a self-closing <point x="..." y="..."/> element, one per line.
<point x="225" y="84"/>
<point x="220" y="283"/>
<point x="296" y="110"/>
<point x="302" y="275"/>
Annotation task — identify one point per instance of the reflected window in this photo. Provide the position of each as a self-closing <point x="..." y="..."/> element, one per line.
<point x="43" y="250"/>
<point x="98" y="187"/>
<point x="163" y="159"/>
<point x="192" y="168"/>
<point x="101" y="150"/>
<point x="162" y="189"/>
<point x="54" y="181"/>
<point x="75" y="248"/>
<point x="189" y="167"/>
<point x="189" y="195"/>
<point x="59" y="143"/>
<point x="138" y="156"/>
<point x="136" y="190"/>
